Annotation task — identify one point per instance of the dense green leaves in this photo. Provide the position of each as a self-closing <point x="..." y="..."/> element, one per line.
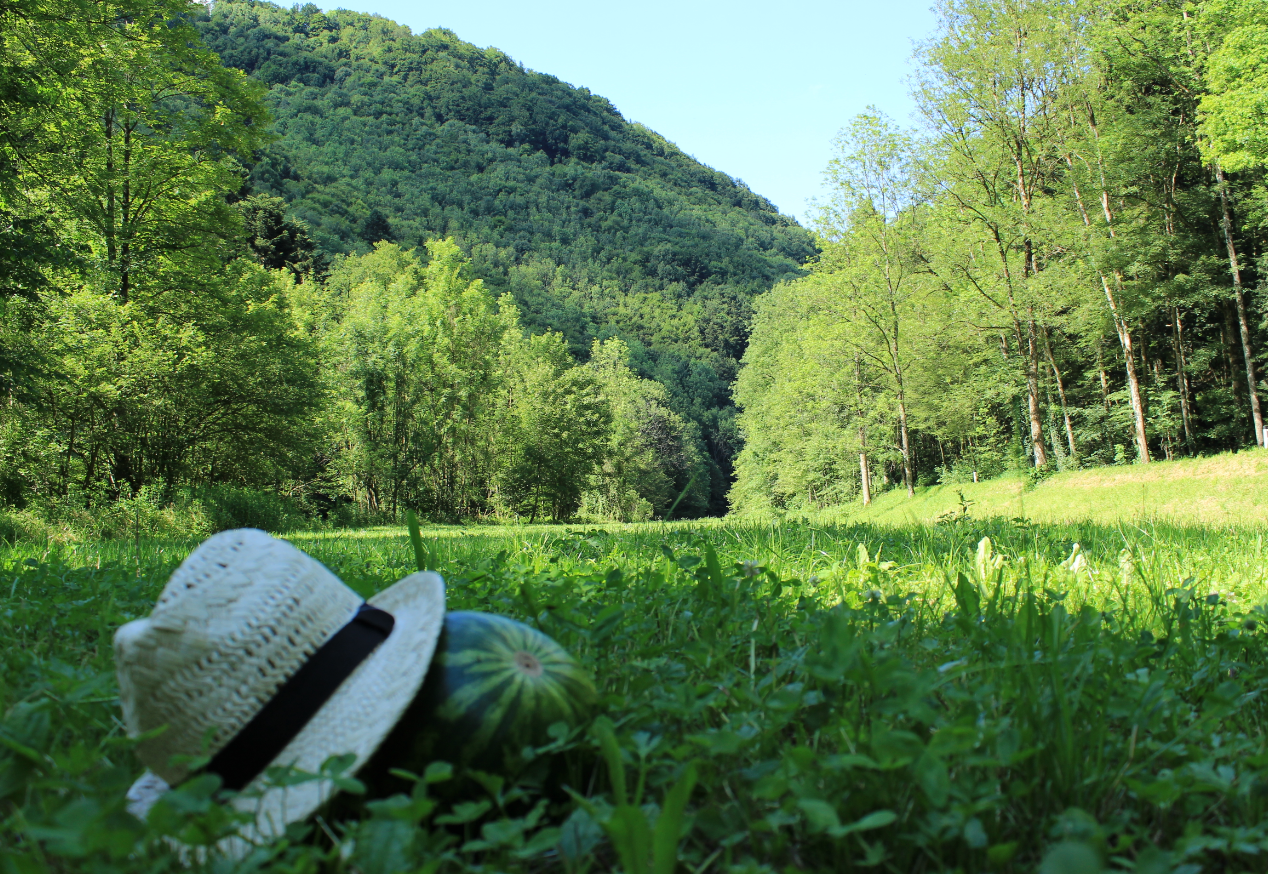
<point x="439" y="402"/>
<point x="1234" y="107"/>
<point x="596" y="226"/>
<point x="173" y="389"/>
<point x="148" y="347"/>
<point x="653" y="458"/>
<point x="558" y="425"/>
<point x="149" y="355"/>
<point x="1059" y="271"/>
<point x="413" y="353"/>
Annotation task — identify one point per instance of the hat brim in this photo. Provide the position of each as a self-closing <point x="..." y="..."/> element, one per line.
<point x="355" y="719"/>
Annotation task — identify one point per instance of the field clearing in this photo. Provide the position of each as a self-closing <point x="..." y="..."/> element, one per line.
<point x="1230" y="489"/>
<point x="977" y="694"/>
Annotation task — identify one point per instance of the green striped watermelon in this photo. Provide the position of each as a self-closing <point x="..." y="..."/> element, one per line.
<point x="495" y="686"/>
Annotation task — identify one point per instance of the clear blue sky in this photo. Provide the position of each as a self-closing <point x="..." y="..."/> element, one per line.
<point x="756" y="90"/>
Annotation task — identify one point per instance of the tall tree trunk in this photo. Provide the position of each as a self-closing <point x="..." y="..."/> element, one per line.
<point x="1026" y="346"/>
<point x="1032" y="395"/>
<point x="1138" y="401"/>
<point x="897" y="362"/>
<point x="1065" y="410"/>
<point x="1055" y="440"/>
<point x="1182" y="378"/>
<point x="1228" y="331"/>
<point x="865" y="476"/>
<point x="127" y="218"/>
<point x="112" y="250"/>
<point x="1239" y="299"/>
<point x="1100" y="368"/>
<point x="902" y="431"/>
<point x="1120" y="323"/>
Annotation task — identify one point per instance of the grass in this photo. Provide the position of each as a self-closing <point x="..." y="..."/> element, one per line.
<point x="972" y="695"/>
<point x="1230" y="489"/>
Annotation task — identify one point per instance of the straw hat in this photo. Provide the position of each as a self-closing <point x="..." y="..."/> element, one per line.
<point x="257" y="655"/>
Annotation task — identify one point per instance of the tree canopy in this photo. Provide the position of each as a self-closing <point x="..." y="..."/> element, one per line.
<point x="1060" y="267"/>
<point x="596" y="226"/>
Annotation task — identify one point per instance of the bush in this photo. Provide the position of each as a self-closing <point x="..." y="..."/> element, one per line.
<point x="230" y="506"/>
<point x="988" y="461"/>
<point x="86" y="515"/>
<point x="1036" y="475"/>
<point x="188" y="512"/>
<point x="18" y="525"/>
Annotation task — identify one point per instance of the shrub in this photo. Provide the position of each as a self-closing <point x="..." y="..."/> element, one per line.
<point x="18" y="525"/>
<point x="229" y="506"/>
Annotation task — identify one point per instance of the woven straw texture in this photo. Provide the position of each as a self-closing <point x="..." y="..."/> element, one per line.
<point x="238" y="617"/>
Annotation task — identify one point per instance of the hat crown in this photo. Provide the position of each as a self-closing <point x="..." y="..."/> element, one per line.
<point x="236" y="620"/>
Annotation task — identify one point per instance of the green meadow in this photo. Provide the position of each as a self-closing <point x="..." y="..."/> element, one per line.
<point x="1228" y="489"/>
<point x="918" y="686"/>
<point x="268" y="265"/>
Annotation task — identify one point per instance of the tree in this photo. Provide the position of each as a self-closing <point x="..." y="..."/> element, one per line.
<point x="1234" y="109"/>
<point x="1234" y="100"/>
<point x="137" y="166"/>
<point x="989" y="92"/>
<point x="555" y="428"/>
<point x="161" y="359"/>
<point x="807" y="404"/>
<point x="650" y="457"/>
<point x="871" y="274"/>
<point x="597" y="226"/>
<point x="413" y="354"/>
<point x="278" y="242"/>
<point x="45" y="48"/>
<point x="208" y="386"/>
<point x="376" y="227"/>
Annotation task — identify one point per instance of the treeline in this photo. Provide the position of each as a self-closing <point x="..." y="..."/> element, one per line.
<point x="1062" y="267"/>
<point x="596" y="226"/>
<point x="439" y="401"/>
<point x="165" y="330"/>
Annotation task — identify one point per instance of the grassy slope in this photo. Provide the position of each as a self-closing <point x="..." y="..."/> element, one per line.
<point x="1221" y="490"/>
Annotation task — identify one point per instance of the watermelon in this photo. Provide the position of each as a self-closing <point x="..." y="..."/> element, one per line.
<point x="494" y="687"/>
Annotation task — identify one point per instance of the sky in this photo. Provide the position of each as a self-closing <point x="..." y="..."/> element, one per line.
<point x="756" y="90"/>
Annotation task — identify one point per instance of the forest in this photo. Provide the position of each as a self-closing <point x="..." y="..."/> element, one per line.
<point x="381" y="271"/>
<point x="1059" y="267"/>
<point x="596" y="226"/>
<point x="254" y="255"/>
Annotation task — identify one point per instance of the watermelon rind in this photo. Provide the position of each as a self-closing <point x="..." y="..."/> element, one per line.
<point x="496" y="686"/>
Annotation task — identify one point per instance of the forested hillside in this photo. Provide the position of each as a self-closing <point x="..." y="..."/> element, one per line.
<point x="359" y="270"/>
<point x="1062" y="267"/>
<point x="596" y="226"/>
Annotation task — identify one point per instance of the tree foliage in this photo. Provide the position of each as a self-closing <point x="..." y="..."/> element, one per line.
<point x="596" y="226"/>
<point x="154" y="356"/>
<point x="176" y="316"/>
<point x="1069" y="277"/>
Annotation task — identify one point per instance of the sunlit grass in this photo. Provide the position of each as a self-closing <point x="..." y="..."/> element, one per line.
<point x="1107" y="691"/>
<point x="1229" y="489"/>
<point x="1052" y="690"/>
<point x="1123" y="564"/>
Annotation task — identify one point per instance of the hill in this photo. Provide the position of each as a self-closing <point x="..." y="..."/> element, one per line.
<point x="597" y="226"/>
<point x="1224" y="490"/>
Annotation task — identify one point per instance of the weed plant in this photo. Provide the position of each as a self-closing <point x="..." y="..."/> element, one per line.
<point x="970" y="696"/>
